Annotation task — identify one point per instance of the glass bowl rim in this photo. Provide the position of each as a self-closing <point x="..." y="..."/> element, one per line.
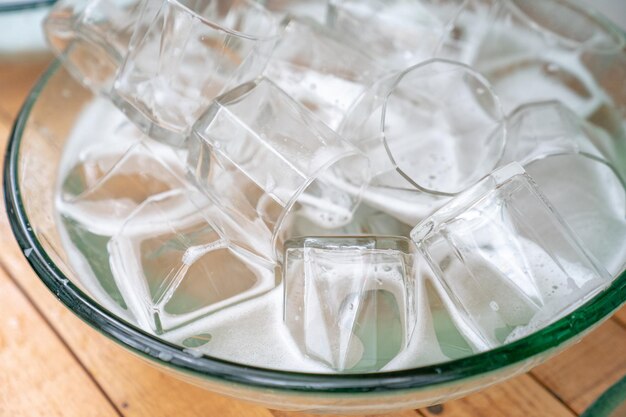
<point x="170" y="355"/>
<point x="25" y="5"/>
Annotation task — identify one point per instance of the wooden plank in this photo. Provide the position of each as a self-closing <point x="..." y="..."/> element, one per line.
<point x="580" y="374"/>
<point x="38" y="374"/>
<point x="519" y="397"/>
<point x="137" y="388"/>
<point x="17" y="76"/>
<point x="142" y="390"/>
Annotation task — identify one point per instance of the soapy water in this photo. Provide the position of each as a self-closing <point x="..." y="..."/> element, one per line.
<point x="253" y="332"/>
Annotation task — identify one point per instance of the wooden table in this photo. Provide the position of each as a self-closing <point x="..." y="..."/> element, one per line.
<point x="53" y="364"/>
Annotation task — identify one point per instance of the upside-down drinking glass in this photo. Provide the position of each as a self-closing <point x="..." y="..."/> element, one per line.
<point x="263" y="157"/>
<point x="92" y="36"/>
<point x="506" y="259"/>
<point x="430" y="131"/>
<point x="187" y="54"/>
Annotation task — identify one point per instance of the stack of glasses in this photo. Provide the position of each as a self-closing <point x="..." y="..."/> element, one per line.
<point x="350" y="151"/>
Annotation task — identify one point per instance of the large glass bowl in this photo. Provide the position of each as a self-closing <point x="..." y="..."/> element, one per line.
<point x="30" y="173"/>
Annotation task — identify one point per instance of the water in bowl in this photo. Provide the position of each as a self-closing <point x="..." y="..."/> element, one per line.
<point x="111" y="173"/>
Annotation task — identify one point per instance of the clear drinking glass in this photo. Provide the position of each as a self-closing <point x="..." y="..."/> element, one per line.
<point x="507" y="261"/>
<point x="590" y="196"/>
<point x="572" y="160"/>
<point x="314" y="9"/>
<point x="113" y="179"/>
<point x="263" y="158"/>
<point x="91" y="37"/>
<point x="401" y="33"/>
<point x="320" y="70"/>
<point x="532" y="50"/>
<point x="350" y="302"/>
<point x="175" y="262"/>
<point x="430" y="131"/>
<point x="543" y="129"/>
<point x="437" y="124"/>
<point x="188" y="53"/>
<point x="114" y="171"/>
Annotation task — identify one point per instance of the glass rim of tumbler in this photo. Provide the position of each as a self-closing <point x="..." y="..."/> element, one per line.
<point x="238" y="93"/>
<point x="500" y="125"/>
<point x="176" y="357"/>
<point x="599" y="158"/>
<point x="581" y="9"/>
<point x="382" y="242"/>
<point x="273" y="33"/>
<point x="467" y="199"/>
<point x="327" y="167"/>
<point x="586" y="155"/>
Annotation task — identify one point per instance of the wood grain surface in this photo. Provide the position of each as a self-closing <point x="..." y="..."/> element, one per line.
<point x="53" y="364"/>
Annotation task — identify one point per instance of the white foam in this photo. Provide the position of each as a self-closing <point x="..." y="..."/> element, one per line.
<point x="253" y="332"/>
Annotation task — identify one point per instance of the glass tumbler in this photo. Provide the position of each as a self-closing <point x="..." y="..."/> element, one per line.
<point x="92" y="37"/>
<point x="185" y="55"/>
<point x="506" y="259"/>
<point x="263" y="158"/>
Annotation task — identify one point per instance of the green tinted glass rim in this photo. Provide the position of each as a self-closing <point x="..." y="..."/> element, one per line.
<point x="16" y="6"/>
<point x="609" y="401"/>
<point x="569" y="327"/>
